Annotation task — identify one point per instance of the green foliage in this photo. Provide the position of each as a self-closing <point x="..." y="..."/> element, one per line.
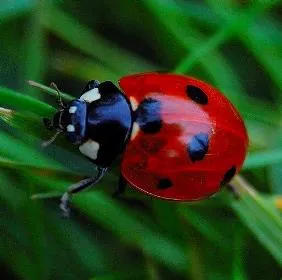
<point x="235" y="45"/>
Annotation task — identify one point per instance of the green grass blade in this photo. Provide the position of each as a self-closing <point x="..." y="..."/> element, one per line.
<point x="263" y="38"/>
<point x="14" y="99"/>
<point x="237" y="23"/>
<point x="35" y="49"/>
<point x="14" y="8"/>
<point x="203" y="225"/>
<point x="63" y="25"/>
<point x="15" y="149"/>
<point x="82" y="68"/>
<point x="38" y="170"/>
<point x="261" y="217"/>
<point x="49" y="90"/>
<point x="111" y="216"/>
<point x="264" y="158"/>
<point x="238" y="268"/>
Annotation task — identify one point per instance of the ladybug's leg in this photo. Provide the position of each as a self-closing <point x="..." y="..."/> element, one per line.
<point x="121" y="187"/>
<point x="80" y="186"/>
<point x="127" y="200"/>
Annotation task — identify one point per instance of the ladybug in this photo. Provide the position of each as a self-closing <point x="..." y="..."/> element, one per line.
<point x="181" y="139"/>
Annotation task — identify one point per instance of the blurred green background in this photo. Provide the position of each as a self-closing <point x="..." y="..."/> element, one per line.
<point x="234" y="45"/>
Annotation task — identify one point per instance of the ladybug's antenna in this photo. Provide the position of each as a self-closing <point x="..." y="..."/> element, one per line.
<point x="47" y="89"/>
<point x="52" y="139"/>
<point x="59" y="96"/>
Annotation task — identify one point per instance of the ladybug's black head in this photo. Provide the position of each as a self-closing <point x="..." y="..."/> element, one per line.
<point x="70" y="120"/>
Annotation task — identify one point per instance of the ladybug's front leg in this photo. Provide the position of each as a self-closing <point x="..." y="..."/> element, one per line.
<point x="129" y="201"/>
<point x="80" y="186"/>
<point x="121" y="187"/>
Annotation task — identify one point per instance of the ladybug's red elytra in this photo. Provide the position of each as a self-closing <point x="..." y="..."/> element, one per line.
<point x="181" y="138"/>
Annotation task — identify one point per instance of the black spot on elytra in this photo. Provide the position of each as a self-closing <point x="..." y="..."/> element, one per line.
<point x="198" y="146"/>
<point x="148" y="115"/>
<point x="197" y="95"/>
<point x="164" y="183"/>
<point x="228" y="175"/>
<point x="90" y="85"/>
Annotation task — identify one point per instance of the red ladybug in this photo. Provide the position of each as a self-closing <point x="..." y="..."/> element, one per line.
<point x="181" y="138"/>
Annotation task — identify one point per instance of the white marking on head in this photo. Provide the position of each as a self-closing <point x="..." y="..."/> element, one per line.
<point x="90" y="149"/>
<point x="135" y="130"/>
<point x="72" y="109"/>
<point x="133" y="102"/>
<point x="70" y="128"/>
<point x="91" y="95"/>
